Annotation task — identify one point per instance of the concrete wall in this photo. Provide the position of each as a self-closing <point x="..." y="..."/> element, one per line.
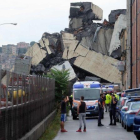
<point x="38" y="130"/>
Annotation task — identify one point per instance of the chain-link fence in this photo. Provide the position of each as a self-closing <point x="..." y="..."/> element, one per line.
<point x="24" y="102"/>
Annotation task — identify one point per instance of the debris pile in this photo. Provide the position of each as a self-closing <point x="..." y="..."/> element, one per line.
<point x="84" y="47"/>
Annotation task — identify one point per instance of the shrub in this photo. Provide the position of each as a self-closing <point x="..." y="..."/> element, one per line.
<point x="61" y="82"/>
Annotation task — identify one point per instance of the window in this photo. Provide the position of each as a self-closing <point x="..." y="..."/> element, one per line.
<point x="89" y="94"/>
<point x="135" y="106"/>
<point x="128" y="104"/>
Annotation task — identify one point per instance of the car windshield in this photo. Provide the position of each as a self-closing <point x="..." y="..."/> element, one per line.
<point x="89" y="94"/>
<point x="135" y="106"/>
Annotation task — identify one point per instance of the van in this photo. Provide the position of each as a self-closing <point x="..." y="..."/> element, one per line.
<point x="91" y="92"/>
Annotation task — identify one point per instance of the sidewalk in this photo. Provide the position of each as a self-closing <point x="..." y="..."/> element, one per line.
<point x="94" y="132"/>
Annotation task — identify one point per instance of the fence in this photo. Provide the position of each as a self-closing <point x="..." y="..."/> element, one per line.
<point x="24" y="102"/>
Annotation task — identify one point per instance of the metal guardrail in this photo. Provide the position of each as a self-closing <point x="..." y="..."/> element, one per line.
<point x="24" y="102"/>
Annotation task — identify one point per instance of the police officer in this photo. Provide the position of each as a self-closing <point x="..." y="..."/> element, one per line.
<point x="71" y="101"/>
<point x="117" y="96"/>
<point x="100" y="106"/>
<point x="107" y="101"/>
<point x="113" y="109"/>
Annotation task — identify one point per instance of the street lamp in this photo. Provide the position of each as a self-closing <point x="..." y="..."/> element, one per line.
<point x="8" y="23"/>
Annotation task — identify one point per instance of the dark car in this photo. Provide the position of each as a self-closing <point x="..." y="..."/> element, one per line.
<point x="136" y="125"/>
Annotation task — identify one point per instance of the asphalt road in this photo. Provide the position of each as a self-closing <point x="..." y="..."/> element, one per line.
<point x="94" y="132"/>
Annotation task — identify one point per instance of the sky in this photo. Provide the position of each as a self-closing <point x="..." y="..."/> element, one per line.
<point x="34" y="17"/>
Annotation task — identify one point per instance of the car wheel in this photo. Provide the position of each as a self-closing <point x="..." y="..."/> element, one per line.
<point x="124" y="126"/>
<point x="122" y="123"/>
<point x="128" y="128"/>
<point x="138" y="137"/>
<point x="119" y="118"/>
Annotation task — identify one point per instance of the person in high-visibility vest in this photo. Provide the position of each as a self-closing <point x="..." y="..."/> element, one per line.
<point x="116" y="96"/>
<point x="107" y="101"/>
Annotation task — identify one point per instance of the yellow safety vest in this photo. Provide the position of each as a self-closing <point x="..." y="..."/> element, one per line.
<point x="117" y="97"/>
<point x="107" y="101"/>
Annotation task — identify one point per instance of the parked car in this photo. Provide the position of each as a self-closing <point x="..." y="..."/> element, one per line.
<point x="127" y="103"/>
<point x="127" y="95"/>
<point x="129" y="115"/>
<point x="136" y="125"/>
<point x="132" y="92"/>
<point x="120" y="104"/>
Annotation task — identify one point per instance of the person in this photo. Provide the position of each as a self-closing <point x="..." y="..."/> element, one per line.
<point x="63" y="112"/>
<point x="117" y="96"/>
<point x="107" y="101"/>
<point x="71" y="101"/>
<point x="81" y="110"/>
<point x="104" y="98"/>
<point x="100" y="106"/>
<point x="113" y="110"/>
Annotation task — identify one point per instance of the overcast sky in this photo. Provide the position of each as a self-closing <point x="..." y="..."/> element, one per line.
<point x="34" y="17"/>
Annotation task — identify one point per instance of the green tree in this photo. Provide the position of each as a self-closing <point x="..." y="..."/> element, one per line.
<point x="61" y="82"/>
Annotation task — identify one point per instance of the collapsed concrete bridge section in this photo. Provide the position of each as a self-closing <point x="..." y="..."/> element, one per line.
<point x="100" y="65"/>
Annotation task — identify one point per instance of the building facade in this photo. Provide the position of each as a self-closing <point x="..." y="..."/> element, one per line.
<point x="23" y="45"/>
<point x="129" y="46"/>
<point x="9" y="49"/>
<point x="124" y="55"/>
<point x="135" y="22"/>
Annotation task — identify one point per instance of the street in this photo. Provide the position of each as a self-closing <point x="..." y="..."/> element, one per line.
<point x="93" y="131"/>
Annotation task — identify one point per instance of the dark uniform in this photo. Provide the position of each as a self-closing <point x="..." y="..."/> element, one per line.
<point x="71" y="101"/>
<point x="100" y="111"/>
<point x="113" y="111"/>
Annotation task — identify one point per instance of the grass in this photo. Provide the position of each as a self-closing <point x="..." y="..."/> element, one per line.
<point x="52" y="129"/>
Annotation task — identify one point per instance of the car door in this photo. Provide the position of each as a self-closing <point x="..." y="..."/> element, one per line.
<point x="126" y="114"/>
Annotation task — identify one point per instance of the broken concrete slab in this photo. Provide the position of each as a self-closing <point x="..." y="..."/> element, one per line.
<point x="67" y="36"/>
<point x="69" y="54"/>
<point x="102" y="42"/>
<point x="82" y="51"/>
<point x="22" y="64"/>
<point x="99" y="65"/>
<point x="75" y="23"/>
<point x="36" y="53"/>
<point x="69" y="41"/>
<point x="120" y="24"/>
<point x="97" y="11"/>
<point x="47" y="46"/>
<point x="41" y="43"/>
<point x="88" y="6"/>
<point x="115" y="13"/>
<point x="66" y="65"/>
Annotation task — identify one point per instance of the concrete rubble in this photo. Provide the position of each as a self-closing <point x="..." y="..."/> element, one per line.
<point x="22" y="64"/>
<point x="120" y="24"/>
<point x="85" y="47"/>
<point x="66" y="66"/>
<point x="115" y="14"/>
